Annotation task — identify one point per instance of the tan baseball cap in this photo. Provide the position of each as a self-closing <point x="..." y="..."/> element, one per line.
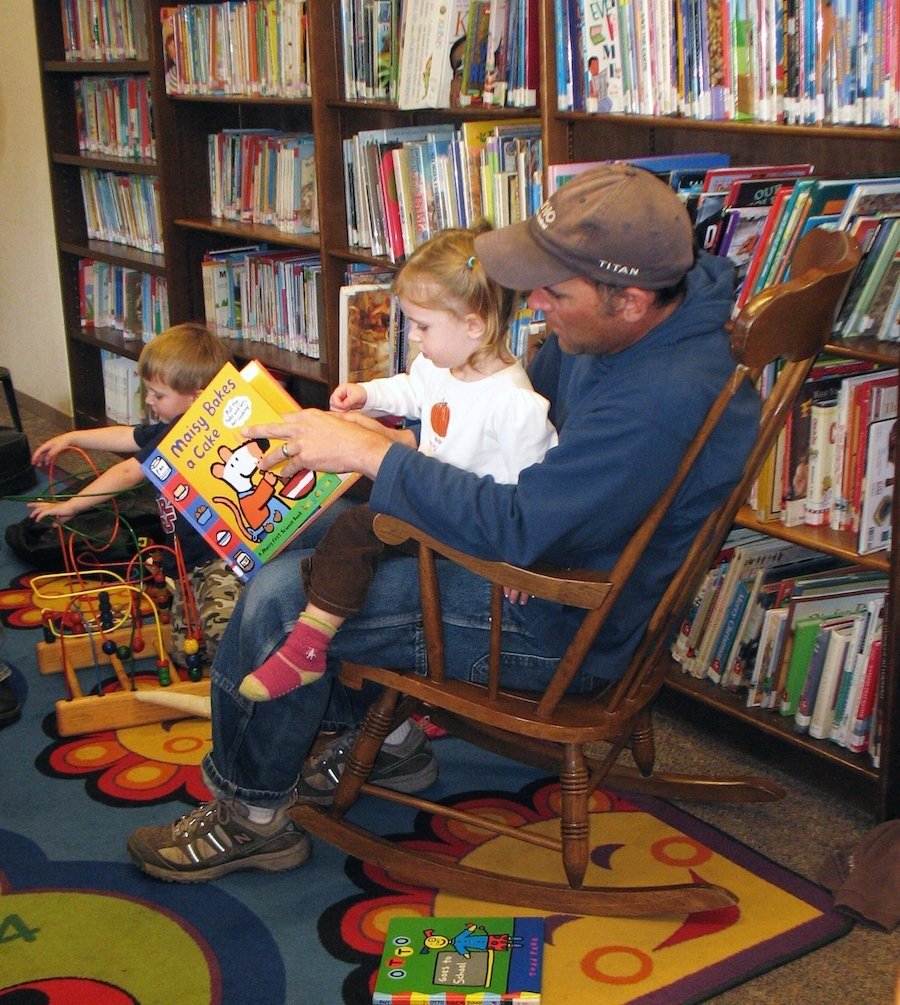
<point x="614" y="223"/>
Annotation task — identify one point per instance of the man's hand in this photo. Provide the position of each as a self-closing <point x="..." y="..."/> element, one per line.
<point x="322" y="442"/>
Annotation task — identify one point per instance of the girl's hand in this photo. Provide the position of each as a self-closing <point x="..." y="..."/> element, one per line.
<point x="516" y="596"/>
<point x="346" y="397"/>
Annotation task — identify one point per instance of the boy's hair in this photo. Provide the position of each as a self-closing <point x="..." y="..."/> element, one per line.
<point x="444" y="274"/>
<point x="184" y="357"/>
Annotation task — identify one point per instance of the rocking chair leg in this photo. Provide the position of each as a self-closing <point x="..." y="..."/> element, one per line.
<point x="643" y="748"/>
<point x="574" y="824"/>
<point x="376" y="726"/>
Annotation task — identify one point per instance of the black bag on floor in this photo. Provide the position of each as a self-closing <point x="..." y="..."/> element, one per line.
<point x="38" y="544"/>
<point x="17" y="473"/>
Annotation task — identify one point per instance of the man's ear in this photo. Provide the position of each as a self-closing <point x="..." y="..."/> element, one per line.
<point x="636" y="303"/>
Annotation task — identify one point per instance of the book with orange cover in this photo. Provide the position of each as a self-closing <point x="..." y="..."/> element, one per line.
<point x="211" y="473"/>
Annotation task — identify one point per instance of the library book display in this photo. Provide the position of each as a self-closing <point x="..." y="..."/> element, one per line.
<point x="156" y="174"/>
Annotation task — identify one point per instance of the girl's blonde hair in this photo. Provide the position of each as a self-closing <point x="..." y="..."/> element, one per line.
<point x="445" y="274"/>
<point x="184" y="357"/>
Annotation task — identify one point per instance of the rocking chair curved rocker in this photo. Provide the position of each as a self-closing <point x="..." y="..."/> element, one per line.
<point x="560" y="732"/>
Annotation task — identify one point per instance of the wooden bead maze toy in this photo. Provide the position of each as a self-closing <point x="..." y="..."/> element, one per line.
<point x="95" y="617"/>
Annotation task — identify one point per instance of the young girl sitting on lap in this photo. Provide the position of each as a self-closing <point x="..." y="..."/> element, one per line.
<point x="478" y="411"/>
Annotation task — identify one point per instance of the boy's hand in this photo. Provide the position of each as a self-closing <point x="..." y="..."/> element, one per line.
<point x="346" y="397"/>
<point x="61" y="511"/>
<point x="47" y="452"/>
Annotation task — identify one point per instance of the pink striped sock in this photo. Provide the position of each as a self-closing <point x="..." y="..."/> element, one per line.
<point x="301" y="660"/>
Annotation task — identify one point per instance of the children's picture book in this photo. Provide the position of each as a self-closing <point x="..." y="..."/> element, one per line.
<point x="662" y="165"/>
<point x="472" y="959"/>
<point x="368" y="336"/>
<point x="878" y="487"/>
<point x="601" y="53"/>
<point x="211" y="475"/>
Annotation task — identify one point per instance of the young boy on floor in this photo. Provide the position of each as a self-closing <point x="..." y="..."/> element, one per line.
<point x="175" y="366"/>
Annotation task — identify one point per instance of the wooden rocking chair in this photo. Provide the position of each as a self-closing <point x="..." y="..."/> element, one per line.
<point x="552" y="729"/>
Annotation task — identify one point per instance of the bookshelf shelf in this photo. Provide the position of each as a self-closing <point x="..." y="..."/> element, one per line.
<point x="251" y="232"/>
<point x="110" y="339"/>
<point x="133" y="165"/>
<point x="241" y="99"/>
<point x="841" y="544"/>
<point x="282" y="362"/>
<point x="182" y="125"/>
<point x="80" y="67"/>
<point x="466" y="112"/>
<point x="869" y="349"/>
<point x="744" y="128"/>
<point x="116" y="254"/>
<point x="772" y="725"/>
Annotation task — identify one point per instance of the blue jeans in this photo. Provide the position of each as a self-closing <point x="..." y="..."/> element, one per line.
<point x="259" y="747"/>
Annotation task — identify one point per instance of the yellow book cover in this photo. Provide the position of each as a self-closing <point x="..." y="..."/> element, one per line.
<point x="211" y="473"/>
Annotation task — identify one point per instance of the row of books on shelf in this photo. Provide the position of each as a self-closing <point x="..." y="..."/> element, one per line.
<point x="420" y="54"/>
<point x="260" y="295"/>
<point x="114" y="116"/>
<point x="265" y="177"/>
<point x="867" y="207"/>
<point x="127" y="300"/>
<point x="123" y="391"/>
<point x="403" y="185"/>
<point x="834" y="464"/>
<point x="795" y="632"/>
<point x="756" y="214"/>
<point x="122" y="208"/>
<point x="103" y="29"/>
<point x="797" y="63"/>
<point x="254" y="47"/>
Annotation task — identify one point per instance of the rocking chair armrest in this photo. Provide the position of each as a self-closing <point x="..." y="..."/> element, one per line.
<point x="578" y="587"/>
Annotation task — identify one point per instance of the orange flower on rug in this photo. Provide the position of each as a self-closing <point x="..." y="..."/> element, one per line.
<point x="159" y="762"/>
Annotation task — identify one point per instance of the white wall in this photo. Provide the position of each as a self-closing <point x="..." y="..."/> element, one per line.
<point x="32" y="341"/>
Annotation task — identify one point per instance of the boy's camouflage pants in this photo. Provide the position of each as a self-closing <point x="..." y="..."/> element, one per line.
<point x="215" y="592"/>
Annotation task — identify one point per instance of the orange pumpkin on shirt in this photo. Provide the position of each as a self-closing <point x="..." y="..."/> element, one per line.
<point x="440" y="417"/>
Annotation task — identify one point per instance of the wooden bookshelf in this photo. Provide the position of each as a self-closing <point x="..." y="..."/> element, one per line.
<point x="837" y="150"/>
<point x="182" y="126"/>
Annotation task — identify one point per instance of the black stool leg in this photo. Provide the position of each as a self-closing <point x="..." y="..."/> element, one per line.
<point x="6" y="380"/>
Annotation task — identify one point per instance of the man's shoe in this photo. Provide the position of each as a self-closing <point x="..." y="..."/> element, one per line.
<point x="215" y="839"/>
<point x="408" y="766"/>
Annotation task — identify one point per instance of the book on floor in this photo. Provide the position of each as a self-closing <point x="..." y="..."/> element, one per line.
<point x="211" y="475"/>
<point x="473" y="959"/>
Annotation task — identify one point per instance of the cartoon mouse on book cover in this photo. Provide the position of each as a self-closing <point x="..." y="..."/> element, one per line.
<point x="258" y="509"/>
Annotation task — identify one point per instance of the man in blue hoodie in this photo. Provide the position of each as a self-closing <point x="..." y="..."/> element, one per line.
<point x="635" y="355"/>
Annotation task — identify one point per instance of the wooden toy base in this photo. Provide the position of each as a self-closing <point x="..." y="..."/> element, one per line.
<point x="116" y="709"/>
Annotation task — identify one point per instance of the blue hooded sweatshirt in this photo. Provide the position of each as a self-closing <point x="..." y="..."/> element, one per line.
<point x="624" y="421"/>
